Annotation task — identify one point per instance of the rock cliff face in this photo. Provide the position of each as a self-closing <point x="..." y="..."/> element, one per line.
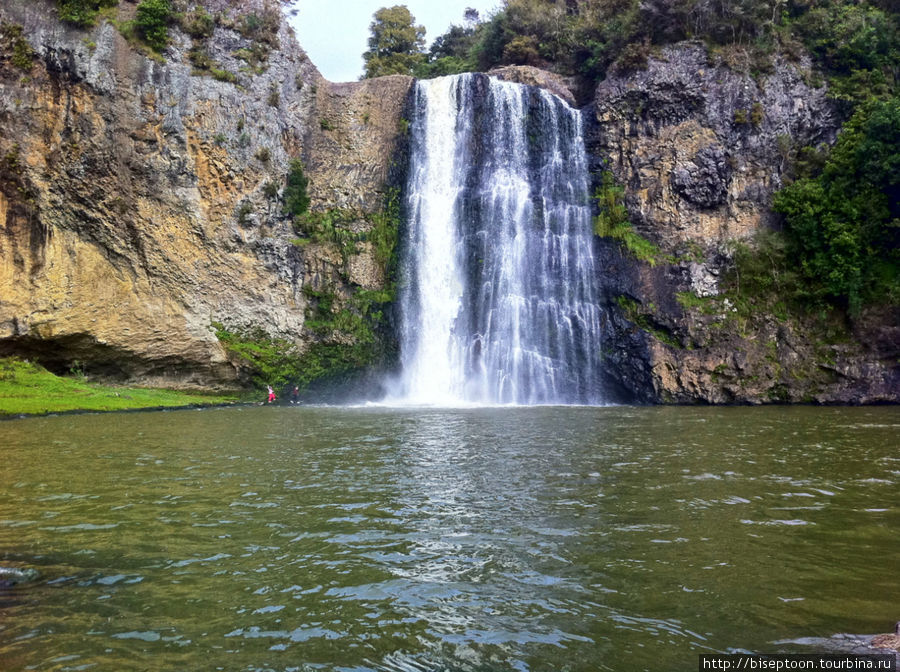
<point x="141" y="209"/>
<point x="699" y="149"/>
<point x="139" y="196"/>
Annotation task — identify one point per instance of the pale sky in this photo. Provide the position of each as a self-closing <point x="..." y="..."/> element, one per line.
<point x="335" y="33"/>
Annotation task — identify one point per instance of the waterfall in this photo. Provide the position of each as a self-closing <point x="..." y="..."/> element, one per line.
<point x="498" y="294"/>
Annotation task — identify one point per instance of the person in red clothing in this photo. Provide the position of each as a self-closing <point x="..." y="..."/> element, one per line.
<point x="271" y="394"/>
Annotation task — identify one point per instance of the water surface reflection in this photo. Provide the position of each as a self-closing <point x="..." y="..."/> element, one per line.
<point x="469" y="539"/>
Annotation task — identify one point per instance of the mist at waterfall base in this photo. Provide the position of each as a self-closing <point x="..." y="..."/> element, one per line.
<point x="498" y="291"/>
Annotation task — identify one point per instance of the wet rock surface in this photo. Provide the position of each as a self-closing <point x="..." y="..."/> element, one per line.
<point x="16" y="576"/>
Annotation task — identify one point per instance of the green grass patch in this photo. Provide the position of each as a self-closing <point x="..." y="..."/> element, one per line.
<point x="612" y="221"/>
<point x="27" y="388"/>
<point x="707" y="305"/>
<point x="639" y="247"/>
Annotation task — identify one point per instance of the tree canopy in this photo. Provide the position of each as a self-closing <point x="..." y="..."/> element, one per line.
<point x="396" y="45"/>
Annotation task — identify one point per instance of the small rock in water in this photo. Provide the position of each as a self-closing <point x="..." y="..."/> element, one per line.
<point x="842" y="643"/>
<point x="13" y="576"/>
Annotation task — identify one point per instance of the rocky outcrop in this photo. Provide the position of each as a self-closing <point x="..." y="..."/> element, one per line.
<point x="661" y="348"/>
<point x="531" y="76"/>
<point x="353" y="144"/>
<point x="700" y="148"/>
<point x="140" y="196"/>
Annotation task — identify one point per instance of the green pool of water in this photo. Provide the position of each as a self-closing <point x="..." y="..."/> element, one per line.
<point x="474" y="539"/>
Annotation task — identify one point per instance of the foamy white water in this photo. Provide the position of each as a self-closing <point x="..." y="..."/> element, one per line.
<point x="499" y="292"/>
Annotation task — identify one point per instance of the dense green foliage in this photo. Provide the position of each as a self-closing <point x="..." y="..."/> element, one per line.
<point x="29" y="388"/>
<point x="451" y="53"/>
<point x="296" y="198"/>
<point x="844" y="224"/>
<point x="855" y="43"/>
<point x="82" y="13"/>
<point x="396" y="44"/>
<point x="152" y="22"/>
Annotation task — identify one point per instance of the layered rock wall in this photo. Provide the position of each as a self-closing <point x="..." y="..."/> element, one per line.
<point x="700" y="148"/>
<point x="137" y="206"/>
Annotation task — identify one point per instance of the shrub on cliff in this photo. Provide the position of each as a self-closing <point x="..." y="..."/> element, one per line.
<point x="13" y="43"/>
<point x="844" y="225"/>
<point x="82" y="13"/>
<point x="151" y="22"/>
<point x="612" y="221"/>
<point x="198" y="23"/>
<point x="296" y="199"/>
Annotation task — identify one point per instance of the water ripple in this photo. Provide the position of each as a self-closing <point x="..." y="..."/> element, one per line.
<point x="466" y="540"/>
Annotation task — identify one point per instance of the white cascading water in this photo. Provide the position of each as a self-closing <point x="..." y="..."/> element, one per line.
<point x="498" y="298"/>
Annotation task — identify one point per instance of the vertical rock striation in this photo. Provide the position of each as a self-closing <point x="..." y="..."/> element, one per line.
<point x="139" y="195"/>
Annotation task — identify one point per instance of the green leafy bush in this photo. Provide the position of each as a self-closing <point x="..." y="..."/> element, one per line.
<point x="757" y="114"/>
<point x="198" y="23"/>
<point x="522" y="50"/>
<point x="296" y="198"/>
<point x="82" y="13"/>
<point x="151" y="23"/>
<point x="844" y="225"/>
<point x="12" y="40"/>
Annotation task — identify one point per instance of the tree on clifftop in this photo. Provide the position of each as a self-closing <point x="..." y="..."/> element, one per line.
<point x="396" y="45"/>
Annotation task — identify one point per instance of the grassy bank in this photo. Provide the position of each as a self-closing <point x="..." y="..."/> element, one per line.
<point x="27" y="388"/>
